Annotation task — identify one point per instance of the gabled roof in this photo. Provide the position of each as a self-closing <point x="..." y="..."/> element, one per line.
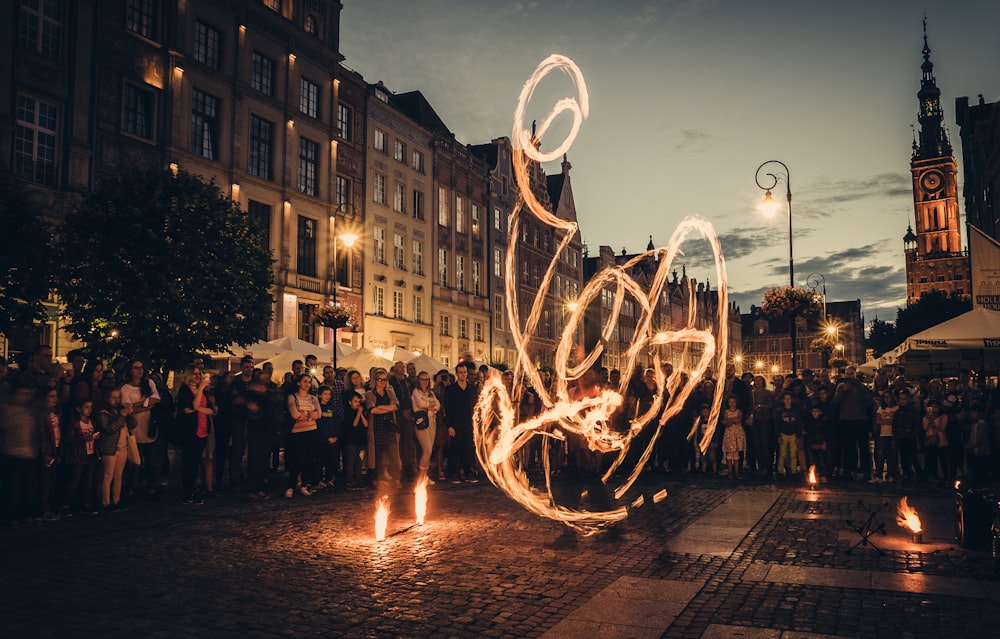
<point x="554" y="185"/>
<point x="416" y="106"/>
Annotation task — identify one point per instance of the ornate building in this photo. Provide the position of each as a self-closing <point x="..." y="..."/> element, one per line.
<point x="979" y="126"/>
<point x="934" y="256"/>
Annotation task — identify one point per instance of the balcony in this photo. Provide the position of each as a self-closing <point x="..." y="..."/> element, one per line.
<point x="310" y="284"/>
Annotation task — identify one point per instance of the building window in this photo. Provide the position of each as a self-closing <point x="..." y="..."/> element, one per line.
<point x="476" y="279"/>
<point x="479" y="331"/>
<point x="443" y="267"/>
<point x="308" y="164"/>
<point x="379" y="236"/>
<point x="261" y="141"/>
<point x="344" y="119"/>
<point x="418" y="257"/>
<point x="459" y="215"/>
<point x="378" y="193"/>
<point x="399" y="151"/>
<point x="418" y="309"/>
<point x="463" y="328"/>
<point x="137" y="118"/>
<point x="398" y="254"/>
<point x="378" y="301"/>
<point x="309" y="98"/>
<point x="504" y="185"/>
<point x="380" y="140"/>
<point x="445" y="325"/>
<point x="306" y="255"/>
<point x="460" y="272"/>
<point x="310" y="26"/>
<point x="418" y="161"/>
<point x="207" y="45"/>
<point x="307" y="328"/>
<point x="475" y="220"/>
<point x="273" y="5"/>
<point x="442" y="206"/>
<point x="498" y="312"/>
<point x="343" y="191"/>
<point x="140" y="17"/>
<point x="497" y="262"/>
<point x="398" y="195"/>
<point x="260" y="219"/>
<point x="35" y="141"/>
<point x="262" y="74"/>
<point x="40" y="28"/>
<point x="204" y="125"/>
<point x="418" y="204"/>
<point x="498" y="219"/>
<point x="397" y="304"/>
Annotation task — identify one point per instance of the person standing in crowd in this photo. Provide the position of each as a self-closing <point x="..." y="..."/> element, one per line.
<point x="734" y="440"/>
<point x="116" y="421"/>
<point x="404" y="418"/>
<point x="907" y="422"/>
<point x="762" y="427"/>
<point x="334" y="454"/>
<point x="260" y="411"/>
<point x="355" y="438"/>
<point x="885" y="442"/>
<point x="20" y="454"/>
<point x="856" y="407"/>
<point x="238" y="438"/>
<point x="458" y="403"/>
<point x="817" y="435"/>
<point x="163" y="420"/>
<point x="382" y="405"/>
<point x="50" y="447"/>
<point x="330" y="443"/>
<point x="425" y="409"/>
<point x="788" y="426"/>
<point x="141" y="394"/>
<point x="195" y="408"/>
<point x="302" y="442"/>
<point x="935" y="428"/>
<point x="79" y="461"/>
<point x="88" y="385"/>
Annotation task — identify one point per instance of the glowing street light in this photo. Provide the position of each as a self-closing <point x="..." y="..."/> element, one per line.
<point x="769" y="205"/>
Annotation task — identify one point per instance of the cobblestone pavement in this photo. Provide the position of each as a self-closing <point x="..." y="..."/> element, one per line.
<point x="483" y="567"/>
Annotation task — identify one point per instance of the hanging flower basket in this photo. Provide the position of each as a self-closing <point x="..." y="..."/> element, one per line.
<point x="838" y="362"/>
<point x="821" y="345"/>
<point x="335" y="316"/>
<point x="791" y="301"/>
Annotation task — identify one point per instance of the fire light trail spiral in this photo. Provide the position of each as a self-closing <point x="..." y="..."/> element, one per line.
<point x="498" y="438"/>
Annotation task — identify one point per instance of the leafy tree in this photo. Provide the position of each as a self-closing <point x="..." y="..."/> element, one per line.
<point x="25" y="257"/>
<point x="162" y="266"/>
<point x="882" y="337"/>
<point x="931" y="309"/>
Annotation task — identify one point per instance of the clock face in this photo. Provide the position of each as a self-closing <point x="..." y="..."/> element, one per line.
<point x="931" y="181"/>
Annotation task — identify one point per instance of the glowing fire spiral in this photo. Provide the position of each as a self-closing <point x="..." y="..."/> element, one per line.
<point x="498" y="438"/>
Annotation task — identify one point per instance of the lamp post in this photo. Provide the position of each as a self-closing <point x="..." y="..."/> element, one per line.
<point x="348" y="239"/>
<point x="770" y="207"/>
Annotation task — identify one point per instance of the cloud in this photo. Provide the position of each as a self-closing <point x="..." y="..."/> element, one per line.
<point x="827" y="191"/>
<point x="692" y="138"/>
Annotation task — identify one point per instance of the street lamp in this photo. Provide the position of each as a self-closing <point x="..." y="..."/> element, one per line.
<point x="770" y="207"/>
<point x="348" y="238"/>
<point x="814" y="281"/>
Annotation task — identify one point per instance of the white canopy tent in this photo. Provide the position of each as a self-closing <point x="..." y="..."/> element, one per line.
<point x="426" y="363"/>
<point x="364" y="360"/>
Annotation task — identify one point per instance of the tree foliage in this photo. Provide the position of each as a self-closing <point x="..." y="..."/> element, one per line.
<point x="25" y="256"/>
<point x="882" y="337"/>
<point x="931" y="309"/>
<point x="162" y="266"/>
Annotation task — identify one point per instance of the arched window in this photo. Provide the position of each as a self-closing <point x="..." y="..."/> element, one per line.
<point x="311" y="25"/>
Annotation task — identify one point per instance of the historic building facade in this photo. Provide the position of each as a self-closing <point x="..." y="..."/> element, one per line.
<point x="398" y="231"/>
<point x="979" y="127"/>
<point x="933" y="245"/>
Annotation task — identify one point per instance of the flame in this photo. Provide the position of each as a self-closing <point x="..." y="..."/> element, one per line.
<point x="420" y="499"/>
<point x="907" y="517"/>
<point x="498" y="438"/>
<point x="812" y="475"/>
<point x="381" y="517"/>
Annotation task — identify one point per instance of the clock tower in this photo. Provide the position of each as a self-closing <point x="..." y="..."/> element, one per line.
<point x="934" y="256"/>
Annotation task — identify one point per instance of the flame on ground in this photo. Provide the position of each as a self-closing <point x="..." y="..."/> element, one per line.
<point x="420" y="499"/>
<point x="812" y="476"/>
<point x="588" y="415"/>
<point x="907" y="517"/>
<point x="381" y="517"/>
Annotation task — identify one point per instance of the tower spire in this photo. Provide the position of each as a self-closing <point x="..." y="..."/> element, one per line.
<point x="933" y="137"/>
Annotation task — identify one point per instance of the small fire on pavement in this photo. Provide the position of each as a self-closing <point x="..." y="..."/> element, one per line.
<point x="811" y="478"/>
<point x="907" y="518"/>
<point x="381" y="517"/>
<point x="420" y="500"/>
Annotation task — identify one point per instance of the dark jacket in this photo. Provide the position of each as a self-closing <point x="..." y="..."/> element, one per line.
<point x="111" y="422"/>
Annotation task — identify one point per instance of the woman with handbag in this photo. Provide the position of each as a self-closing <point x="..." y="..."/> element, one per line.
<point x="382" y="404"/>
<point x="140" y="393"/>
<point x="425" y="410"/>
<point x="194" y="408"/>
<point x="116" y="423"/>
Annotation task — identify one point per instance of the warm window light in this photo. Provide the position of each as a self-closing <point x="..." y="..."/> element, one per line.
<point x="348" y="239"/>
<point x="236" y="191"/>
<point x="769" y="206"/>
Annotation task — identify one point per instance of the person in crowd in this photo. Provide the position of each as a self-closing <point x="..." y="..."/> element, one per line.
<point x="116" y="421"/>
<point x="87" y="385"/>
<point x="163" y="420"/>
<point x="935" y="428"/>
<point x="79" y="460"/>
<point x="788" y="426"/>
<point x="50" y="449"/>
<point x="761" y="427"/>
<point x="355" y="439"/>
<point x="329" y="427"/>
<point x="907" y="422"/>
<point x="20" y="449"/>
<point x="141" y="394"/>
<point x="734" y="440"/>
<point x="404" y="418"/>
<point x="425" y="409"/>
<point x="952" y="407"/>
<point x="457" y="403"/>
<point x="817" y="435"/>
<point x="707" y="459"/>
<point x="222" y="426"/>
<point x="885" y="442"/>
<point x="261" y="411"/>
<point x="978" y="447"/>
<point x="238" y="438"/>
<point x="302" y="443"/>
<point x="41" y="371"/>
<point x="382" y="405"/>
<point x="856" y="407"/>
<point x="195" y="408"/>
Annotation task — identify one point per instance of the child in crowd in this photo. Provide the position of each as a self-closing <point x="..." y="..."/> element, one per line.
<point x="79" y="461"/>
<point x="330" y="433"/>
<point x="788" y="426"/>
<point x="355" y="438"/>
<point x="708" y="460"/>
<point x="885" y="443"/>
<point x="734" y="439"/>
<point x="906" y="425"/>
<point x="817" y="435"/>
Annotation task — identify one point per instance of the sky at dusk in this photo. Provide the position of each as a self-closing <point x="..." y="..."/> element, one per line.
<point x="688" y="97"/>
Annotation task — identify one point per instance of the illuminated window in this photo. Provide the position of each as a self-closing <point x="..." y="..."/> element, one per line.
<point x="380" y="140"/>
<point x="306" y="256"/>
<point x="418" y="257"/>
<point x="398" y="253"/>
<point x="379" y="190"/>
<point x="379" y="236"/>
<point x="308" y="166"/>
<point x="344" y="119"/>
